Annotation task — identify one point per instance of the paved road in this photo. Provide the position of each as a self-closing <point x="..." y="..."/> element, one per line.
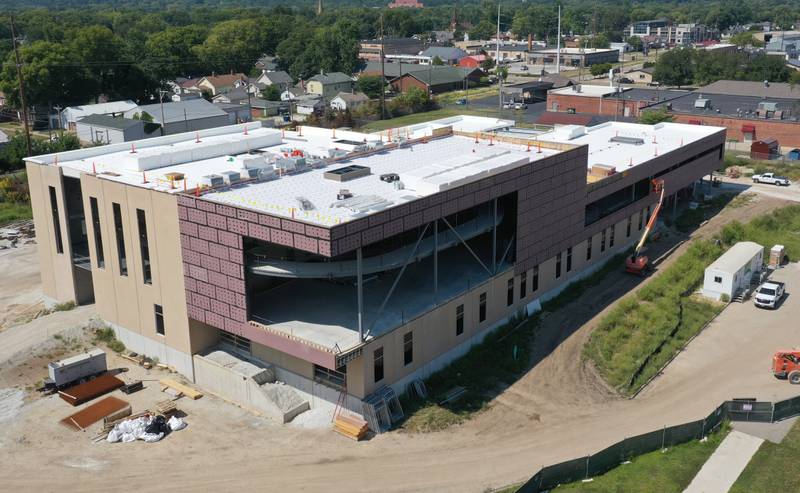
<point x="792" y="192"/>
<point x="490" y="106"/>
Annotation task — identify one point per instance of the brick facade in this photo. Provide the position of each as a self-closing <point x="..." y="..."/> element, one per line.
<point x="595" y="105"/>
<point x="786" y="132"/>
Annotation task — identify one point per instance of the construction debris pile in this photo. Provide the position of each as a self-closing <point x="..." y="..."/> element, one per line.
<point x="16" y="233"/>
<point x="150" y="428"/>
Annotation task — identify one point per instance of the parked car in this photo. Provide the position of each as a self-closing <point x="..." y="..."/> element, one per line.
<point x="772" y="178"/>
<point x="461" y="101"/>
<point x="524" y="68"/>
<point x="507" y="106"/>
<point x="625" y="80"/>
<point x="520" y="106"/>
<point x="768" y="294"/>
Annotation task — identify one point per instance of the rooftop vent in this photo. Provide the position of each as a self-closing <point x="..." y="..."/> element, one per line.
<point x="347" y="173"/>
<point x="702" y="103"/>
<point x="230" y="177"/>
<point x="211" y="180"/>
<point x="627" y="140"/>
<point x="304" y="204"/>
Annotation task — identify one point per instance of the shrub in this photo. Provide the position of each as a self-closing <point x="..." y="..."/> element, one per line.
<point x="725" y="298"/>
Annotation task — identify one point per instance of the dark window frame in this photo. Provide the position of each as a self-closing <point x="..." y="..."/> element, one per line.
<point x="558" y="265"/>
<point x="612" y="235"/>
<point x="569" y="259"/>
<point x="377" y="365"/>
<point x="59" y="239"/>
<point x="158" y="310"/>
<point x="603" y="240"/>
<point x="408" y="348"/>
<point x="98" y="234"/>
<point x="628" y="227"/>
<point x="459" y="320"/>
<point x="144" y="247"/>
<point x="510" y="292"/>
<point x="523" y="285"/>
<point x="119" y="230"/>
<point x="535" y="283"/>
<point x="588" y="248"/>
<point x="482" y="308"/>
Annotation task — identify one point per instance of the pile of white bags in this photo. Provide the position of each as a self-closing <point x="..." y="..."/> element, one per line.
<point x="134" y="429"/>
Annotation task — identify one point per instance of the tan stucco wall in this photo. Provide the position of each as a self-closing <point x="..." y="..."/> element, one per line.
<point x="58" y="281"/>
<point x="127" y="300"/>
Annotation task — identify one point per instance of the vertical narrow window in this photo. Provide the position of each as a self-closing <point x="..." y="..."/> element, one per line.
<point x="648" y="213"/>
<point x="510" y="292"/>
<point x="588" y="248"/>
<point x="613" y="229"/>
<point x="558" y="265"/>
<point x="144" y="247"/>
<point x="377" y="364"/>
<point x="641" y="215"/>
<point x="535" y="281"/>
<point x="159" y="310"/>
<point x="408" y="348"/>
<point x="56" y="220"/>
<point x="569" y="259"/>
<point x="459" y="320"/>
<point x="120" y="233"/>
<point x="628" y="227"/>
<point x="482" y="308"/>
<point x="523" y="285"/>
<point x="603" y="241"/>
<point x="98" y="237"/>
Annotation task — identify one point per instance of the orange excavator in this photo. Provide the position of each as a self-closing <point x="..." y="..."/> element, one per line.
<point x="636" y="263"/>
<point x="786" y="364"/>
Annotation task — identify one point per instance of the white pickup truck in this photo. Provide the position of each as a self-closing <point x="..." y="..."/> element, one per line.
<point x="772" y="179"/>
<point x="768" y="294"/>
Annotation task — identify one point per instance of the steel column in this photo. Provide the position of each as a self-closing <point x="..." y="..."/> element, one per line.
<point x="466" y="246"/>
<point x="494" y="236"/>
<point x="360" y="290"/>
<point x="435" y="261"/>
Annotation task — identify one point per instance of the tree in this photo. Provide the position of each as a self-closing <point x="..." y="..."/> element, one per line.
<point x="674" y="68"/>
<point x="651" y="117"/>
<point x="437" y="61"/>
<point x="271" y="93"/>
<point x="485" y="29"/>
<point x="746" y="38"/>
<point x="169" y="53"/>
<point x="502" y="72"/>
<point x="635" y="42"/>
<point x="487" y="64"/>
<point x="413" y="100"/>
<point x="600" y="68"/>
<point x="233" y="45"/>
<point x="371" y="85"/>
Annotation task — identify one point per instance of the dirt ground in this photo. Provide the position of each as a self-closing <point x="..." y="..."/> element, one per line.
<point x="20" y="300"/>
<point x="558" y="410"/>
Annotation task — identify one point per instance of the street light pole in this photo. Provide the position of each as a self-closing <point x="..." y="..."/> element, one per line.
<point x="21" y="81"/>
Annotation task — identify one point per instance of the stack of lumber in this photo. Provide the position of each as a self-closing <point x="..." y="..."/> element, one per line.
<point x="350" y="426"/>
<point x="168" y="383"/>
<point x="167" y="407"/>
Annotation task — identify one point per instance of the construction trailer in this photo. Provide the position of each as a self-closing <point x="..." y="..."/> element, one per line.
<point x="347" y="264"/>
<point x="735" y="272"/>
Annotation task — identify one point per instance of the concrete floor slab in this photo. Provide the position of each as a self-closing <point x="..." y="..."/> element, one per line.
<point x="772" y="432"/>
<point x="726" y="464"/>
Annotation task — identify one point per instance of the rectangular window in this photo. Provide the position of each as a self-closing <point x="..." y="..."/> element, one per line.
<point x="332" y="378"/>
<point x="535" y="282"/>
<point x="510" y="292"/>
<point x="628" y="227"/>
<point x="120" y="233"/>
<point x="459" y="320"/>
<point x="613" y="230"/>
<point x="648" y="213"/>
<point x="56" y="220"/>
<point x="159" y="319"/>
<point x="717" y="279"/>
<point x="603" y="241"/>
<point x="558" y="265"/>
<point x="240" y="344"/>
<point x="482" y="308"/>
<point x="588" y="248"/>
<point x="377" y="364"/>
<point x="408" y="348"/>
<point x="144" y="247"/>
<point x="641" y="215"/>
<point x="569" y="259"/>
<point x="98" y="237"/>
<point x="523" y="285"/>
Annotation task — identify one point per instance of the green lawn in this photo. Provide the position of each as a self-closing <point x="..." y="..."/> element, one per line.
<point x="480" y="92"/>
<point x="10" y="212"/>
<point x="773" y="468"/>
<point x="656" y="472"/>
<point x="402" y="121"/>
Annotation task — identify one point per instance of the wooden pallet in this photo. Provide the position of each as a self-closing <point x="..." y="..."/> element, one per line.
<point x="351" y="427"/>
<point x="166" y="407"/>
<point x="183" y="389"/>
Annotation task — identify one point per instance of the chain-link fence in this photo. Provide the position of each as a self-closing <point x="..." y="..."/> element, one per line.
<point x="612" y="456"/>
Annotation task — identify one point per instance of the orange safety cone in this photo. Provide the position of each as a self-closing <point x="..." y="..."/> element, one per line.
<point x="476" y="138"/>
<point x="197" y="190"/>
<point x="529" y="147"/>
<point x="245" y="129"/>
<point x="538" y="148"/>
<point x="144" y="177"/>
<point x="333" y="132"/>
<point x="184" y="183"/>
<point x="133" y="148"/>
<point x="197" y="138"/>
<point x="94" y="170"/>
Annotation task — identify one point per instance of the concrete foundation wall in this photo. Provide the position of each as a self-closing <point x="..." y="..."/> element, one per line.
<point x="182" y="362"/>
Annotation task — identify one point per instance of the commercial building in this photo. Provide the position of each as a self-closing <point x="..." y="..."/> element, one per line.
<point x="608" y="100"/>
<point x="661" y="31"/>
<point x="575" y="57"/>
<point x="350" y="263"/>
<point x="182" y="116"/>
<point x="371" y="48"/>
<point x="71" y="114"/>
<point x="105" y="129"/>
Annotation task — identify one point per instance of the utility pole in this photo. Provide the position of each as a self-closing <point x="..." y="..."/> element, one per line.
<point x="383" y="76"/>
<point x="21" y="81"/>
<point x="558" y="43"/>
<point x="497" y="62"/>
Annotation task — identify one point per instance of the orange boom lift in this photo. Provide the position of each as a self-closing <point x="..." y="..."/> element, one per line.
<point x="636" y="263"/>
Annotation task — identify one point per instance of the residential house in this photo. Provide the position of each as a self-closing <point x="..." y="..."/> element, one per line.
<point x="449" y="55"/>
<point x="183" y="116"/>
<point x="262" y="108"/>
<point x="309" y="104"/>
<point x="71" y="114"/>
<point x="293" y="93"/>
<point x="266" y="63"/>
<point x="641" y="75"/>
<point x="414" y="4"/>
<point x="235" y="96"/>
<point x="279" y="78"/>
<point x="105" y="129"/>
<point x="329" y="85"/>
<point x="348" y="101"/>
<point x="216" y="84"/>
<point x="437" y="79"/>
<point x="238" y="112"/>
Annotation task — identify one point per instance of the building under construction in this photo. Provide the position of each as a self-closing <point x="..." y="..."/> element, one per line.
<point x="349" y="264"/>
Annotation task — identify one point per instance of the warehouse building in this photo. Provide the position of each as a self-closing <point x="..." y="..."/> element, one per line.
<point x="351" y="264"/>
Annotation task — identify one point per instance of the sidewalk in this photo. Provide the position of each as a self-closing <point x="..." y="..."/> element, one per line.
<point x="726" y="464"/>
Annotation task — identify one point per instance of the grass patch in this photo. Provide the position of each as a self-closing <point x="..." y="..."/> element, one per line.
<point x="488" y="367"/>
<point x="64" y="307"/>
<point x="690" y="219"/>
<point x="771" y="467"/>
<point x="12" y="211"/>
<point x="425" y="116"/>
<point x="783" y="168"/>
<point x="106" y="335"/>
<point x="660" y="471"/>
<point x="642" y="323"/>
<point x="477" y="93"/>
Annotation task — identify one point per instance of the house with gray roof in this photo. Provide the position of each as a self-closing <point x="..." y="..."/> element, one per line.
<point x="280" y="78"/>
<point x="183" y="116"/>
<point x="437" y="79"/>
<point x="348" y="101"/>
<point x="328" y="85"/>
<point x="106" y="129"/>
<point x="448" y="54"/>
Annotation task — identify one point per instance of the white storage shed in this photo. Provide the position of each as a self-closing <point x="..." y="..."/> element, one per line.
<point x="732" y="271"/>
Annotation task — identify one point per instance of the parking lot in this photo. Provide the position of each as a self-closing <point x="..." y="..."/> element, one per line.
<point x="491" y="107"/>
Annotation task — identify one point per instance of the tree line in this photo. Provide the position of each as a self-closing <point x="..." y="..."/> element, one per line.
<point x="73" y="51"/>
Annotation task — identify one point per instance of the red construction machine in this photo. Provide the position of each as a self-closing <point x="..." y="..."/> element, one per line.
<point x="636" y="263"/>
<point x="786" y="364"/>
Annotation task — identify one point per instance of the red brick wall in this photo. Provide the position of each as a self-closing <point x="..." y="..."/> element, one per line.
<point x="593" y="106"/>
<point x="404" y="83"/>
<point x="787" y="133"/>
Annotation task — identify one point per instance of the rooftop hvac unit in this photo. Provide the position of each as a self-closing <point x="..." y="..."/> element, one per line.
<point x="344" y="194"/>
<point x="702" y="103"/>
<point x="230" y="177"/>
<point x="211" y="180"/>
